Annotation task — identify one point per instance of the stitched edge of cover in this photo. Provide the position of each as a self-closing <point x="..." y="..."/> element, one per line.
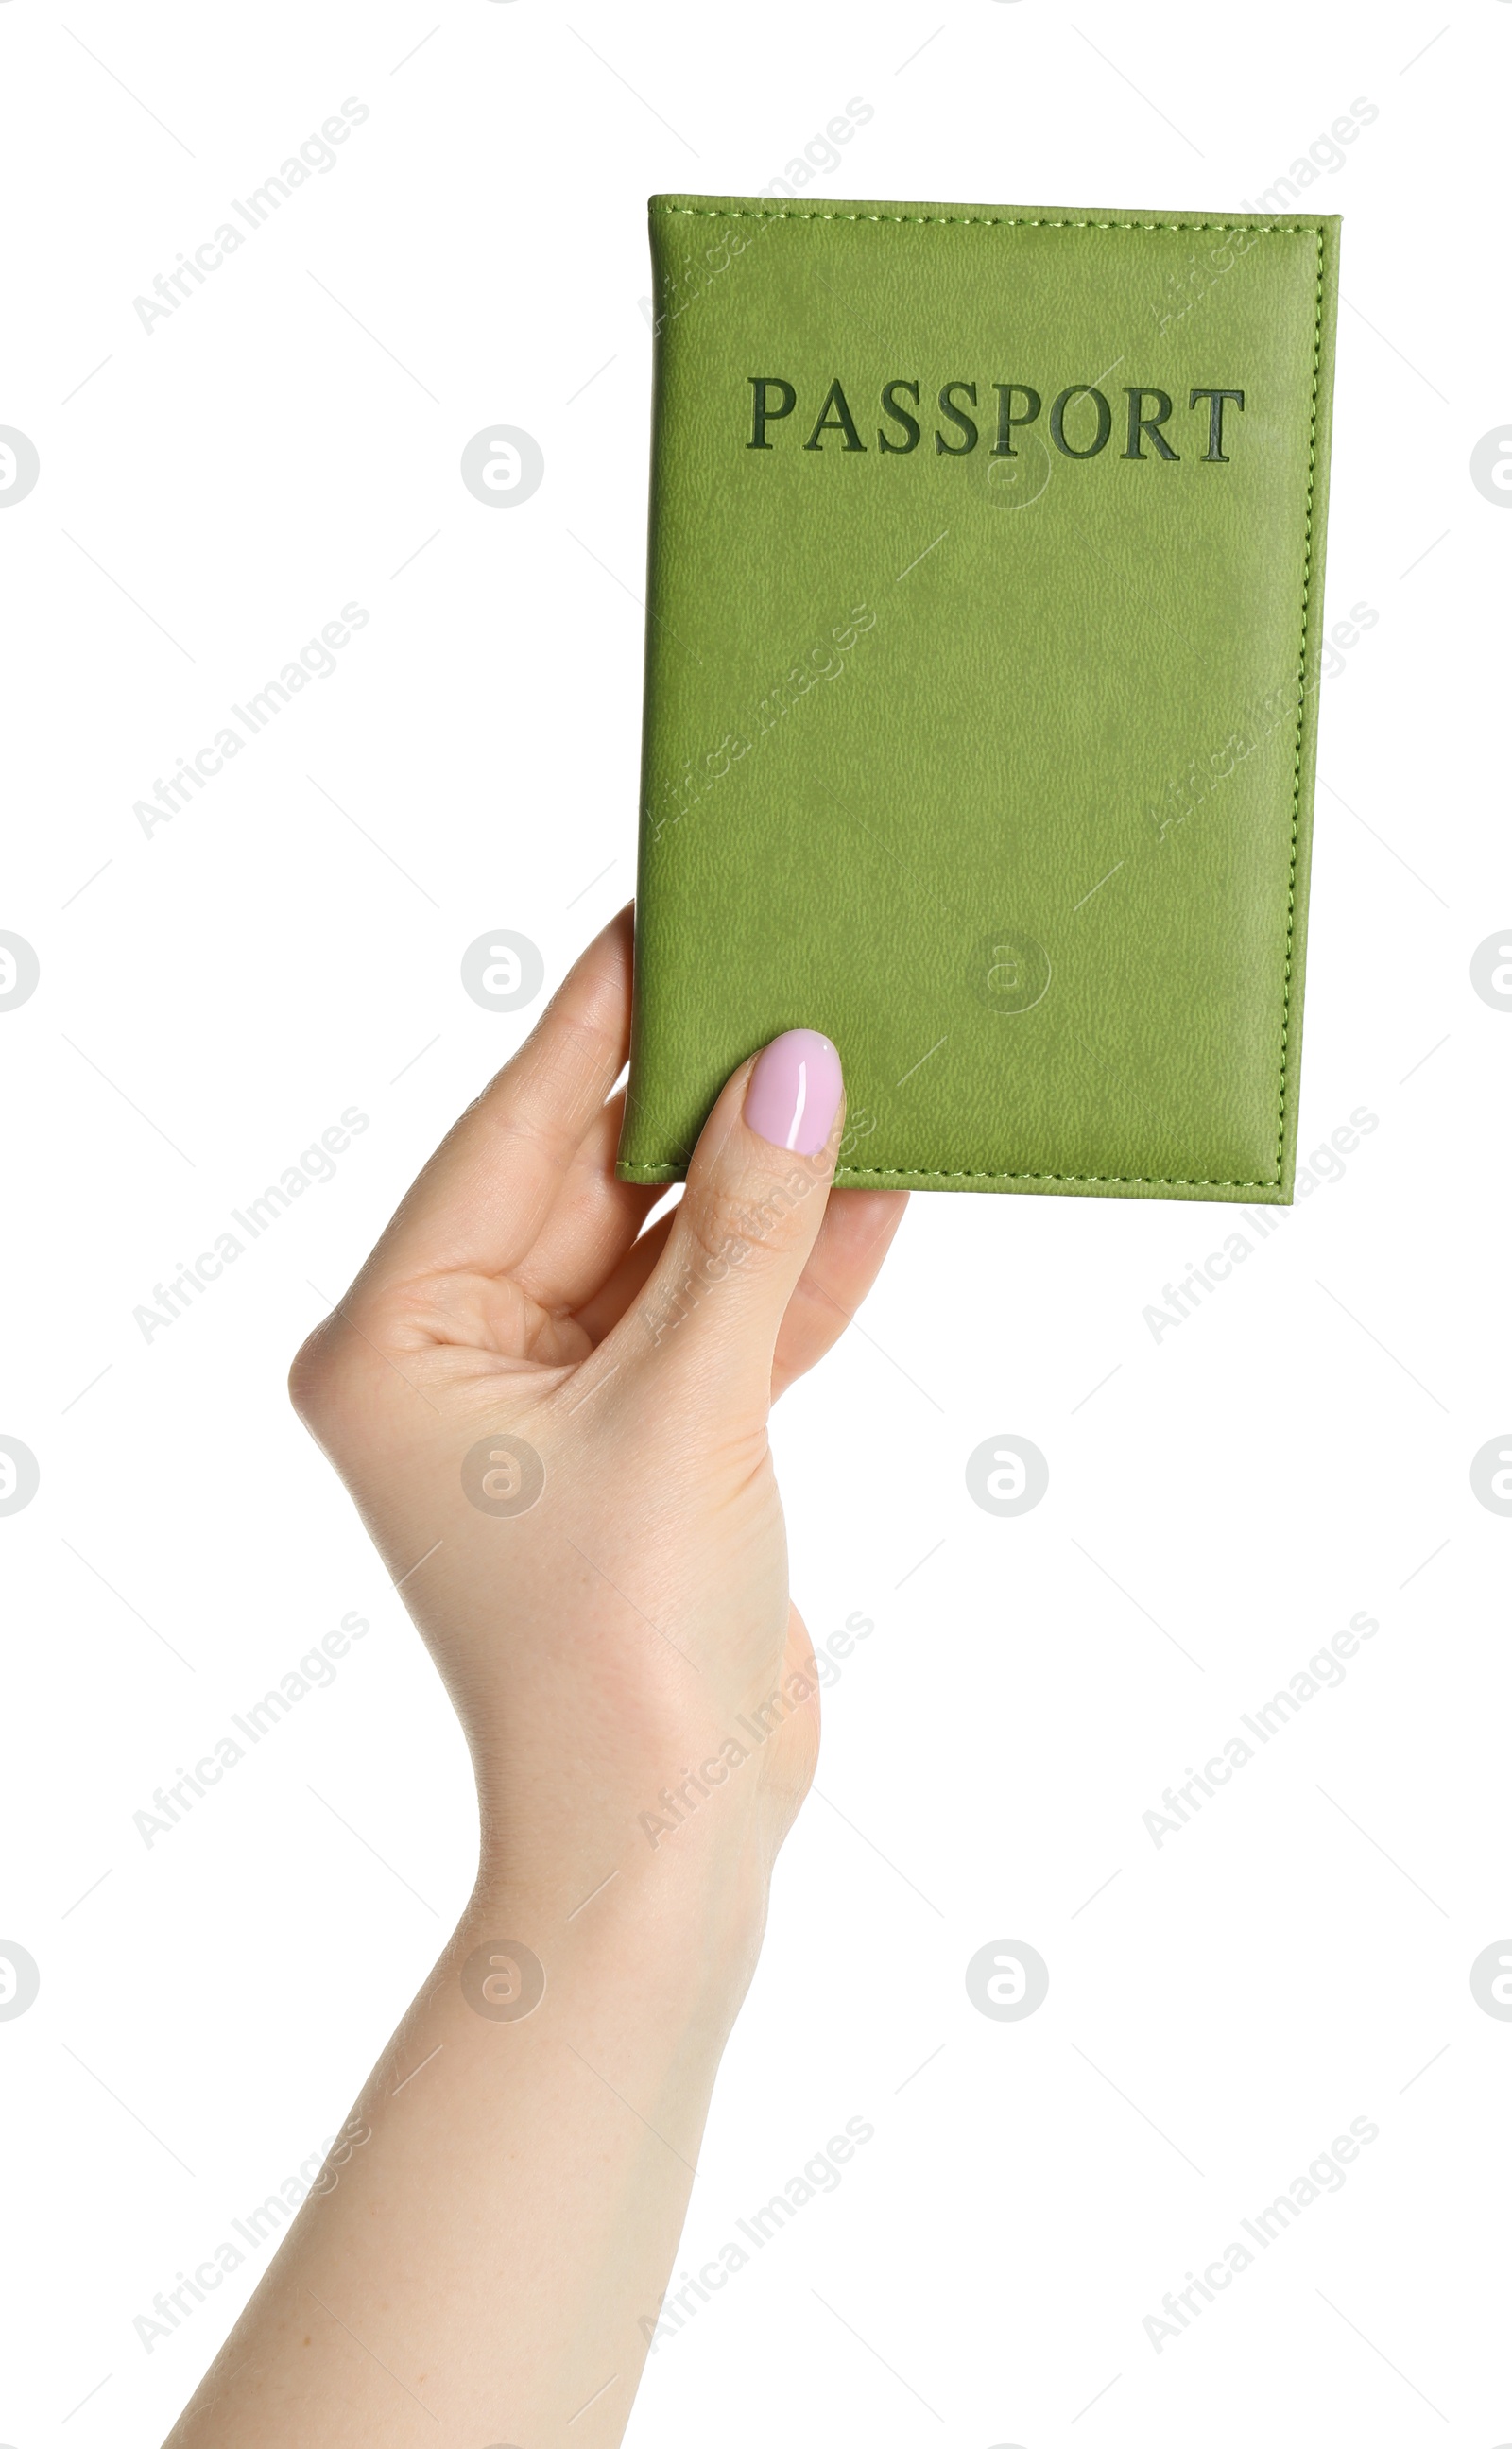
<point x="1022" y="220"/>
<point x="628" y="1170"/>
<point x="987" y="221"/>
<point x="1302" y="700"/>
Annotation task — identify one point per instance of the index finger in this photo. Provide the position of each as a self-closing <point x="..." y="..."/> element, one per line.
<point x="479" y="1204"/>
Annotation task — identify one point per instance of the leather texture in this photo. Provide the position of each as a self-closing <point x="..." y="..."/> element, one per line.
<point x="994" y="764"/>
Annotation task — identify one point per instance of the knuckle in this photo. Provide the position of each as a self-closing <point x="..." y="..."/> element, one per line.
<point x="330" y="1375"/>
<point x="735" y="1226"/>
<point x="754" y="1213"/>
<point x="310" y="1377"/>
<point x="722" y="1232"/>
<point x="712" y="1233"/>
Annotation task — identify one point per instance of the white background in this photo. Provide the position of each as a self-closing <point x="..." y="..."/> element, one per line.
<point x="213" y="996"/>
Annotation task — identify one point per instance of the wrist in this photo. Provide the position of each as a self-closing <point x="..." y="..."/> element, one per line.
<point x="660" y="1943"/>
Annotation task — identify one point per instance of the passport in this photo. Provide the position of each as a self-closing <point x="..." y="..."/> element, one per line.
<point x="982" y="646"/>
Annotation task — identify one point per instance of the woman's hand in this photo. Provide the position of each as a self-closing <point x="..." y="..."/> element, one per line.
<point x="556" y="1435"/>
<point x="554" y="1427"/>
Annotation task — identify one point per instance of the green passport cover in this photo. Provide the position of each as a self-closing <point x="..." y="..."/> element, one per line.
<point x="985" y="575"/>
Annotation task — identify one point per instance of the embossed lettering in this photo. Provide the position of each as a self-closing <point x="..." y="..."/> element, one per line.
<point x="1080" y="391"/>
<point x="835" y="417"/>
<point x="762" y="412"/>
<point x="900" y="417"/>
<point x="1215" y="400"/>
<point x="1003" y="448"/>
<point x="1081" y="419"/>
<point x="1141" y="424"/>
<point x="958" y="418"/>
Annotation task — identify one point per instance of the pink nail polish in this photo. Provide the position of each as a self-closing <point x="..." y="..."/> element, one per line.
<point x="794" y="1093"/>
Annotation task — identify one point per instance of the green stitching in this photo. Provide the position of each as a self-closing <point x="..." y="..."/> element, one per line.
<point x="630" y="1171"/>
<point x="985" y="221"/>
<point x="1143" y="1181"/>
<point x="1302" y="695"/>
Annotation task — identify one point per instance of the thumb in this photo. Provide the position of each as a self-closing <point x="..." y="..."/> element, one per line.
<point x="755" y="1197"/>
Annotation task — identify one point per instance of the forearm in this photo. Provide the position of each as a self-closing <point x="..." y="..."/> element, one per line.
<point x="480" y="2265"/>
<point x="604" y="1590"/>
